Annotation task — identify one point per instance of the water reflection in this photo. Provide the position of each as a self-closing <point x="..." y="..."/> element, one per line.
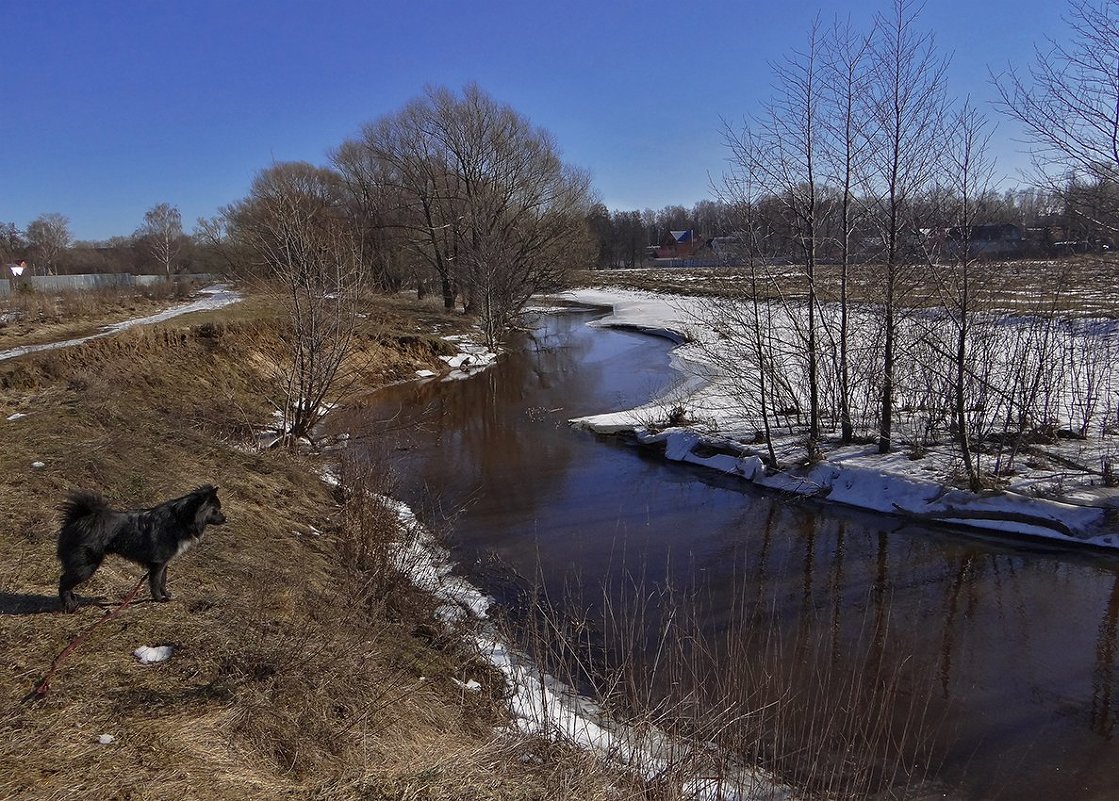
<point x="1002" y="661"/>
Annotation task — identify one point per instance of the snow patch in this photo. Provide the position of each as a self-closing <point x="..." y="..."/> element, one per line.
<point x="148" y="655"/>
<point x="471" y="358"/>
<point x="542" y="706"/>
<point x="1035" y="503"/>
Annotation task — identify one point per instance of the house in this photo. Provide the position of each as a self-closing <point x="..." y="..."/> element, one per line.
<point x="679" y="245"/>
<point x="990" y="240"/>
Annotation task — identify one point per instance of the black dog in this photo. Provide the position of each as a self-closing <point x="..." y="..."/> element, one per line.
<point x="150" y="537"/>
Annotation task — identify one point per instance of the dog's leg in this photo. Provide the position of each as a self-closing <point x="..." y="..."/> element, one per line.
<point x="75" y="570"/>
<point x="157" y="581"/>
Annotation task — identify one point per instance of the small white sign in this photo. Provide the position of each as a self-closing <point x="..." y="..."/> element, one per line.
<point x="17" y="270"/>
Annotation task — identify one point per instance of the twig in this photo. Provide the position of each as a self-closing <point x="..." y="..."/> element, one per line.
<point x="43" y="687"/>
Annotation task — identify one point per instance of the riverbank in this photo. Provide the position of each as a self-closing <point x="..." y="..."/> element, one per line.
<point x="305" y="663"/>
<point x="1053" y="495"/>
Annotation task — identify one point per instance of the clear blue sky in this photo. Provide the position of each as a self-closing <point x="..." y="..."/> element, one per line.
<point x="111" y="107"/>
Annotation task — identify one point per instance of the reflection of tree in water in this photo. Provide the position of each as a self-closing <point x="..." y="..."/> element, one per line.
<point x="1103" y="679"/>
<point x="484" y="441"/>
<point x="752" y="651"/>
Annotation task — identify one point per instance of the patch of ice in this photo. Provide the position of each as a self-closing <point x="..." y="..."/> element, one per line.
<point x="38" y="465"/>
<point x="17" y="416"/>
<point x="106" y="739"/>
<point x="426" y="374"/>
<point x="471" y="685"/>
<point x="147" y="655"/>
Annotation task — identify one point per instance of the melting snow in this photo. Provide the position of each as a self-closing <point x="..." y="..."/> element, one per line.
<point x="855" y="476"/>
<point x="147" y="655"/>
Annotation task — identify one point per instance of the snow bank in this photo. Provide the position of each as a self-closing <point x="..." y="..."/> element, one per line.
<point x="471" y="358"/>
<point x="1035" y="504"/>
<point x="544" y="707"/>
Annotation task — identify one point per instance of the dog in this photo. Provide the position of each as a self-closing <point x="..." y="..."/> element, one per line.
<point x="150" y="537"/>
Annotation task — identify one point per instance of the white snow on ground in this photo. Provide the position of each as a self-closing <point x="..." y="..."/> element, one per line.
<point x="214" y="297"/>
<point x="418" y="556"/>
<point x="148" y="655"/>
<point x="544" y="707"/>
<point x="1038" y="502"/>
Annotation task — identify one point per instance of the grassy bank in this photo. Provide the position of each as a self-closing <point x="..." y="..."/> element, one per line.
<point x="303" y="666"/>
<point x="32" y="318"/>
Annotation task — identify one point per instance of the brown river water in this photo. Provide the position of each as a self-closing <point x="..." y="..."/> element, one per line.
<point x="1008" y="654"/>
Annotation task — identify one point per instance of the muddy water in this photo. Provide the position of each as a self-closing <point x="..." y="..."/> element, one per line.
<point x="1007" y="655"/>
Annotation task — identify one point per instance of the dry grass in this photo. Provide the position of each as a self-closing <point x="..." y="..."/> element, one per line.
<point x="1082" y="285"/>
<point x="298" y="672"/>
<point x="32" y="318"/>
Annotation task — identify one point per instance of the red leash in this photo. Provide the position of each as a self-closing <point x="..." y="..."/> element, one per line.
<point x="43" y="687"/>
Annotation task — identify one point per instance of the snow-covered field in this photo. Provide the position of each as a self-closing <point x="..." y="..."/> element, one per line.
<point x="1055" y="492"/>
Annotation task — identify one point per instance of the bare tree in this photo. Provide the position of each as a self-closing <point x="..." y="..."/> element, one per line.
<point x="12" y="243"/>
<point x="162" y="233"/>
<point x="908" y="97"/>
<point x="292" y="228"/>
<point x="48" y="237"/>
<point x="846" y="153"/>
<point x="969" y="169"/>
<point x="483" y="197"/>
<point x="743" y="321"/>
<point x="1068" y="104"/>
<point x="781" y="148"/>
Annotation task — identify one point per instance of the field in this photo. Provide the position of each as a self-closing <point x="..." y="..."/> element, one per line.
<point x="1084" y="287"/>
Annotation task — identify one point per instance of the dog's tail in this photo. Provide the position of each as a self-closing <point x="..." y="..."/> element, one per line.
<point x="79" y="504"/>
<point x="79" y="512"/>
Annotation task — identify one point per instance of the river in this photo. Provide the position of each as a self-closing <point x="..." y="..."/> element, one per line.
<point x="993" y="666"/>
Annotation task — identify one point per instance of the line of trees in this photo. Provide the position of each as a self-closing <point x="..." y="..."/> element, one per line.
<point x="455" y="194"/>
<point x="159" y="245"/>
<point x="1056" y="220"/>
